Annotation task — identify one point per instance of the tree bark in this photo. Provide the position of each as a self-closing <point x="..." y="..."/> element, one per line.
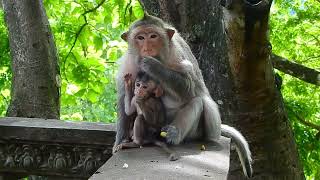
<point x="233" y="50"/>
<point x="36" y="80"/>
<point x="299" y="71"/>
<point x="261" y="112"/>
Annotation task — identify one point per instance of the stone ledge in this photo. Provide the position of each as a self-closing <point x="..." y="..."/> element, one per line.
<point x="35" y="129"/>
<point x="54" y="147"/>
<point x="152" y="163"/>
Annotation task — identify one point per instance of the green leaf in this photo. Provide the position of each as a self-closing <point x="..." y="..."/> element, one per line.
<point x="98" y="42"/>
<point x="84" y="37"/>
<point x="92" y="95"/>
<point x="80" y="93"/>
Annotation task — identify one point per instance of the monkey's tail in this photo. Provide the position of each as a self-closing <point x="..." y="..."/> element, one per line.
<point x="242" y="148"/>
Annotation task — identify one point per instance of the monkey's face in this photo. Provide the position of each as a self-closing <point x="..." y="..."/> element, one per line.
<point x="148" y="42"/>
<point x="149" y="39"/>
<point x="143" y="90"/>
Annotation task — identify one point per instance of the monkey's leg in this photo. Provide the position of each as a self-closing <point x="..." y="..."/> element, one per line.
<point x="139" y="130"/>
<point x="124" y="122"/>
<point x="212" y="119"/>
<point x="172" y="155"/>
<point x="185" y="122"/>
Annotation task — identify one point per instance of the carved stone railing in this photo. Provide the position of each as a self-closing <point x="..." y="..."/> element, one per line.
<point x="53" y="147"/>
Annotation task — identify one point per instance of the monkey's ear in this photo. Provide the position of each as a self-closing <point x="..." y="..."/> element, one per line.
<point x="158" y="91"/>
<point x="124" y="36"/>
<point x="170" y="33"/>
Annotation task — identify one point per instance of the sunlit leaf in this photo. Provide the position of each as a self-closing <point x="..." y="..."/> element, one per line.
<point x="98" y="43"/>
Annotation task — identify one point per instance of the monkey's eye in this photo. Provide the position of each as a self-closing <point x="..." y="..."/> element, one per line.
<point x="140" y="37"/>
<point x="144" y="87"/>
<point x="138" y="84"/>
<point x="153" y="36"/>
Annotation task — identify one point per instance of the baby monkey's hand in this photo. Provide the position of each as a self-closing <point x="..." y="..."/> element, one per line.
<point x="128" y="81"/>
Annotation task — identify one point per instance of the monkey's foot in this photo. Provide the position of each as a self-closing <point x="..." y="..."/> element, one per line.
<point x="173" y="136"/>
<point x="125" y="140"/>
<point x="173" y="157"/>
<point x="114" y="149"/>
<point x="117" y="148"/>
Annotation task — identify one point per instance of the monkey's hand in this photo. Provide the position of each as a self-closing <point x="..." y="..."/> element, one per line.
<point x="150" y="64"/>
<point x="139" y="100"/>
<point x="128" y="80"/>
<point x="128" y="77"/>
<point x="172" y="136"/>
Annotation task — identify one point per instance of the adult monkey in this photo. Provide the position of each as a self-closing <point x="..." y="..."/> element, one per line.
<point x="190" y="109"/>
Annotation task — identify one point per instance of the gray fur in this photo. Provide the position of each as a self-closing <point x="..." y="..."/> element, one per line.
<point x="242" y="148"/>
<point x="186" y="97"/>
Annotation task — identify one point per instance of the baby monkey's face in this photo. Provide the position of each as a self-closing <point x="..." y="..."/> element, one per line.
<point x="144" y="89"/>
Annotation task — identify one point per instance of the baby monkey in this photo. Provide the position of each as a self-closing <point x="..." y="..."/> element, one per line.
<point x="150" y="112"/>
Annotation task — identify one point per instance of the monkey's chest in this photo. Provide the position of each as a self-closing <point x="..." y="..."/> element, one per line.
<point x="153" y="114"/>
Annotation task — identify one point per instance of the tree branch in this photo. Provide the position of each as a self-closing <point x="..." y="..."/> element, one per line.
<point x="76" y="38"/>
<point x="5" y="99"/>
<point x="80" y="30"/>
<point x="95" y="8"/>
<point x="307" y="123"/>
<point x="297" y="70"/>
<point x="304" y="122"/>
<point x="83" y="25"/>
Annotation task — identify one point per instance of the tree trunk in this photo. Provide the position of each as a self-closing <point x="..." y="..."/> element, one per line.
<point x="233" y="50"/>
<point x="35" y="69"/>
<point x="260" y="111"/>
<point x="36" y="80"/>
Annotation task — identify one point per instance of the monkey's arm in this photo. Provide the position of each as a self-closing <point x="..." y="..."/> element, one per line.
<point x="177" y="83"/>
<point x="129" y="98"/>
<point x="129" y="105"/>
<point x="124" y="122"/>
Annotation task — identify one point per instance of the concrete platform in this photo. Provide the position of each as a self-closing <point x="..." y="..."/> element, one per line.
<point x="152" y="163"/>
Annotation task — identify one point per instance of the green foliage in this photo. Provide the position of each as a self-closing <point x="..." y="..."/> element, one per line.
<point x="87" y="35"/>
<point x="295" y="34"/>
<point x="5" y="70"/>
